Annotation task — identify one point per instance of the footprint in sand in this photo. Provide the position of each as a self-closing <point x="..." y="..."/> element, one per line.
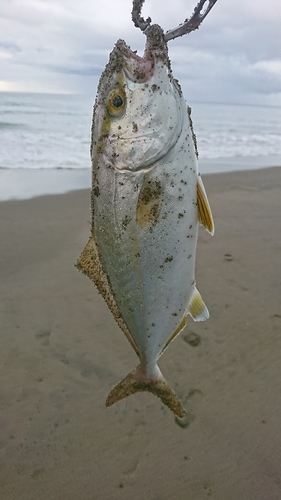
<point x="228" y="257"/>
<point x="43" y="336"/>
<point x="193" y="397"/>
<point x="192" y="339"/>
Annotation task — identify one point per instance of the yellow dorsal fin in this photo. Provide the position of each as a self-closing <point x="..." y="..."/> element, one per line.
<point x="204" y="211"/>
<point x="197" y="308"/>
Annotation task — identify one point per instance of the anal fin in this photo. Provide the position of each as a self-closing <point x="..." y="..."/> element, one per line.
<point x="197" y="307"/>
<point x="179" y="328"/>
<point x="89" y="263"/>
<point x="204" y="211"/>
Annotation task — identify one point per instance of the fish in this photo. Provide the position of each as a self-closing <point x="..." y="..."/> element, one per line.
<point x="147" y="202"/>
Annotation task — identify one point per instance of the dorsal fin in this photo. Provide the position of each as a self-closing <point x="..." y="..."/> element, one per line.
<point x="204" y="211"/>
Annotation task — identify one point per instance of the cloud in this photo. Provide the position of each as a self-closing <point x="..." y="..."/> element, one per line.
<point x="63" y="45"/>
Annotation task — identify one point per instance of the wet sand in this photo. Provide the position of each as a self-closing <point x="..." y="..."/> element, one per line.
<point x="61" y="352"/>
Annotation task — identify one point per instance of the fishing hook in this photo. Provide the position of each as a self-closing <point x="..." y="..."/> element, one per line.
<point x="189" y="25"/>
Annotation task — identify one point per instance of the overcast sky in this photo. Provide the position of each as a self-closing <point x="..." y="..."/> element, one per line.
<point x="63" y="45"/>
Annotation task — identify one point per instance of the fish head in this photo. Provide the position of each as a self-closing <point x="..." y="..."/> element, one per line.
<point x="138" y="112"/>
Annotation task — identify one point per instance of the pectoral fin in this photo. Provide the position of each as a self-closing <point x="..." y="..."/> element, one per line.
<point x="204" y="211"/>
<point x="197" y="308"/>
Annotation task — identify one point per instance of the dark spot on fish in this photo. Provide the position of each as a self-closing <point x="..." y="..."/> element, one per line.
<point x="139" y="75"/>
<point x="174" y="314"/>
<point x="96" y="191"/>
<point x="154" y="87"/>
<point x="126" y="221"/>
<point x="169" y="259"/>
<point x="135" y="127"/>
<point x="180" y="215"/>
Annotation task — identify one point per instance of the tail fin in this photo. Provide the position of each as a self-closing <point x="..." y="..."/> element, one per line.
<point x="133" y="383"/>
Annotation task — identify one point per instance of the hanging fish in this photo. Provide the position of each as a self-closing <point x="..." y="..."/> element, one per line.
<point x="147" y="201"/>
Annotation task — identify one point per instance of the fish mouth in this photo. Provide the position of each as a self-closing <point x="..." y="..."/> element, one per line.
<point x="141" y="69"/>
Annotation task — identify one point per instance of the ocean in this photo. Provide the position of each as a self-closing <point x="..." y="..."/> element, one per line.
<point x="45" y="141"/>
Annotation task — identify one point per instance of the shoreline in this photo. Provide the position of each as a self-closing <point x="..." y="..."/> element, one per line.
<point x="24" y="184"/>
<point x="61" y="353"/>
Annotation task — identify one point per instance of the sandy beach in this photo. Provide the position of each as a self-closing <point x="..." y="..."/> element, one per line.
<point x="61" y="353"/>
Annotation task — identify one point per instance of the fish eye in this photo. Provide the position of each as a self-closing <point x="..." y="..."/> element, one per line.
<point x="116" y="102"/>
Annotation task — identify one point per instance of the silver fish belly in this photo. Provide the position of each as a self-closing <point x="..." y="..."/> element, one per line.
<point x="147" y="202"/>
